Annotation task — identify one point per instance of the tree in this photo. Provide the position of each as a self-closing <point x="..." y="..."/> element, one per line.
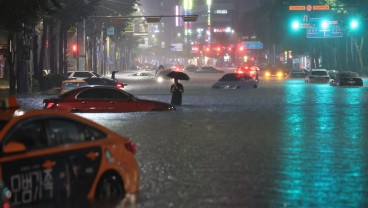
<point x="18" y="18"/>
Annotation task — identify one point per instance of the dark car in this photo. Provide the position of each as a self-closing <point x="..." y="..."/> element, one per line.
<point x="235" y="81"/>
<point x="346" y="79"/>
<point x="190" y="68"/>
<point x="209" y="69"/>
<point x="103" y="99"/>
<point x="104" y="81"/>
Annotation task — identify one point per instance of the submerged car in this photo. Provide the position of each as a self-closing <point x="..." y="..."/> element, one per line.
<point x="92" y="99"/>
<point x="346" y="79"/>
<point x="235" y="81"/>
<point x="105" y="82"/>
<point x="209" y="69"/>
<point x="70" y="84"/>
<point x="297" y="73"/>
<point x="317" y="76"/>
<point x="50" y="156"/>
<point x="81" y="74"/>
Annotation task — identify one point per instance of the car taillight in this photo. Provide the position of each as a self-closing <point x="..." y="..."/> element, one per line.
<point x="50" y="105"/>
<point x="131" y="147"/>
<point x="119" y="85"/>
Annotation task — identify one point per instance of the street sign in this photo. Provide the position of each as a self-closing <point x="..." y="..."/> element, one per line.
<point x="321" y="7"/>
<point x="309" y="8"/>
<point x="253" y="45"/>
<point x="334" y="31"/>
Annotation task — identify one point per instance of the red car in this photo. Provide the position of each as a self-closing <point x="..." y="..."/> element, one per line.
<point x="91" y="99"/>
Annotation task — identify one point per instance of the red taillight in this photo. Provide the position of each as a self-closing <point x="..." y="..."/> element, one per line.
<point x="50" y="105"/>
<point x="6" y="205"/>
<point x="131" y="147"/>
<point x="119" y="85"/>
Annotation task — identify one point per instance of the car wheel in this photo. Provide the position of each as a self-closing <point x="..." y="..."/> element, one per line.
<point x="110" y="186"/>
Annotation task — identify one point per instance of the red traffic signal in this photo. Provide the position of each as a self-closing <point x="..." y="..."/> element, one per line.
<point x="75" y="50"/>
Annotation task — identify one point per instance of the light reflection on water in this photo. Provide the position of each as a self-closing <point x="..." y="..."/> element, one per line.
<point x="323" y="153"/>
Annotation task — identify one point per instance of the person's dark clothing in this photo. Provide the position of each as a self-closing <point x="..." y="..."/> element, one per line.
<point x="176" y="89"/>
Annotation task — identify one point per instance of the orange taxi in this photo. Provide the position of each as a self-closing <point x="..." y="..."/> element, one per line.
<point x="48" y="155"/>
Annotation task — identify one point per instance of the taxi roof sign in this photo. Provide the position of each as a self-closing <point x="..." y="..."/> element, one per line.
<point x="9" y="103"/>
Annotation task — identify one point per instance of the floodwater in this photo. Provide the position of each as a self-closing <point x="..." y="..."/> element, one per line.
<point x="285" y="144"/>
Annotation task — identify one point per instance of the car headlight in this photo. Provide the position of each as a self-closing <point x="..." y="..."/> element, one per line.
<point x="160" y="79"/>
<point x="268" y="74"/>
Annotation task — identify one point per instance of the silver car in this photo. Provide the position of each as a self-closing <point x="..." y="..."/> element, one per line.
<point x="233" y="81"/>
<point x="317" y="76"/>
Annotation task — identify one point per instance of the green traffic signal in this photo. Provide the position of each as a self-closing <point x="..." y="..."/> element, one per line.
<point x="354" y="24"/>
<point x="295" y="25"/>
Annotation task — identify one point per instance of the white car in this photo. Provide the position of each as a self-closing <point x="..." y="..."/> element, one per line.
<point x="317" y="76"/>
<point x="82" y="74"/>
<point x="232" y="81"/>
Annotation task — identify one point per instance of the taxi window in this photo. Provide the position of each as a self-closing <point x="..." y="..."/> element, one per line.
<point x="63" y="131"/>
<point x="31" y="134"/>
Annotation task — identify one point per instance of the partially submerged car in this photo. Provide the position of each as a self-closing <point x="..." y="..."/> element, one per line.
<point x="346" y="78"/>
<point x="236" y="81"/>
<point x="317" y="76"/>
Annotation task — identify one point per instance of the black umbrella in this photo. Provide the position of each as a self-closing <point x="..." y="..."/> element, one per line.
<point x="178" y="75"/>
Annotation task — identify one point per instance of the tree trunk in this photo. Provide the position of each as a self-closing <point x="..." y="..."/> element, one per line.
<point x="11" y="63"/>
<point x="359" y="51"/>
<point x="43" y="45"/>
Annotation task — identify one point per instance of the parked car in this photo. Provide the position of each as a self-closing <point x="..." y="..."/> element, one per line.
<point x="105" y="82"/>
<point x="81" y="74"/>
<point x="91" y="99"/>
<point x="346" y="78"/>
<point x="191" y="68"/>
<point x="235" y="81"/>
<point x="297" y="73"/>
<point x="317" y="76"/>
<point x="332" y="73"/>
<point x="55" y="156"/>
<point x="209" y="69"/>
<point x="69" y="84"/>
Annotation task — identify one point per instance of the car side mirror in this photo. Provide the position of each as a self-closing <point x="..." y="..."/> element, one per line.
<point x="13" y="147"/>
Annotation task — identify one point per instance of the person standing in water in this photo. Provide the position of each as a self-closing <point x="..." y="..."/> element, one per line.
<point x="176" y="89"/>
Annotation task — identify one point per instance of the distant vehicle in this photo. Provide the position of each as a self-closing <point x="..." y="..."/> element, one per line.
<point x="346" y="78"/>
<point x="70" y="84"/>
<point x="81" y="74"/>
<point x="190" y="68"/>
<point x="93" y="99"/>
<point x="297" y="73"/>
<point x="274" y="71"/>
<point x="141" y="74"/>
<point x="62" y="156"/>
<point x="209" y="69"/>
<point x="317" y="76"/>
<point x="235" y="81"/>
<point x="247" y="69"/>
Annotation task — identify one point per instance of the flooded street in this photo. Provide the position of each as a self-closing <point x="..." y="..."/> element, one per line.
<point x="285" y="144"/>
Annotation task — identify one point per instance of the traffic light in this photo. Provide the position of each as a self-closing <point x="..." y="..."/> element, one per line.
<point x="354" y="24"/>
<point x="75" y="50"/>
<point x="295" y="25"/>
